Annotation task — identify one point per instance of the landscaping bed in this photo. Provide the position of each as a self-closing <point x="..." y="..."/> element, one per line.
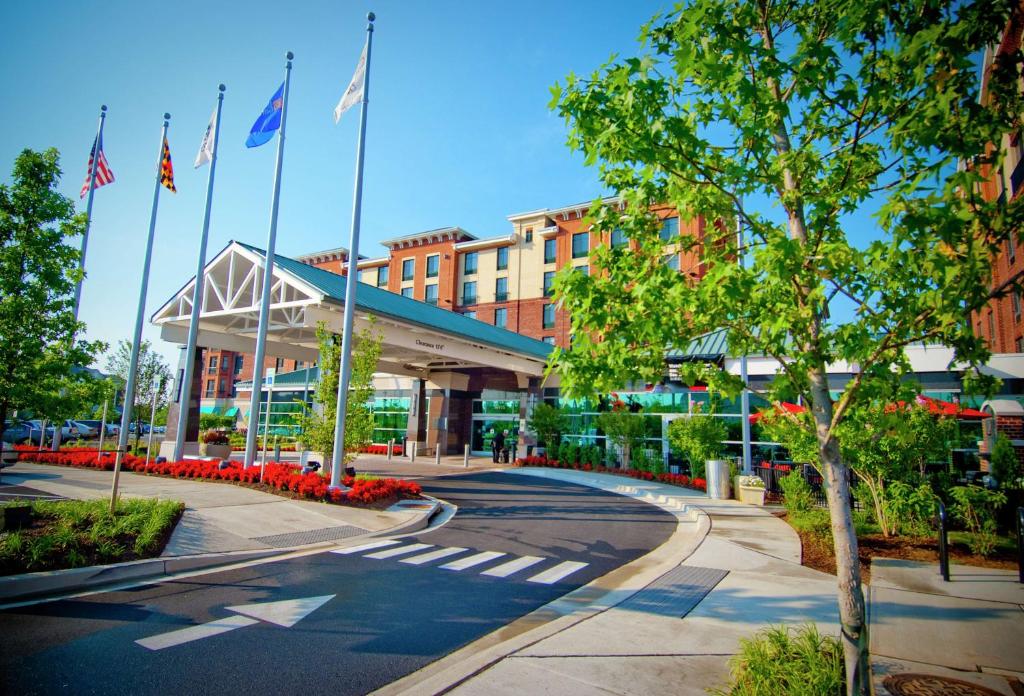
<point x="680" y="480"/>
<point x="277" y="477"/>
<point x="76" y="533"/>
<point x="817" y="551"/>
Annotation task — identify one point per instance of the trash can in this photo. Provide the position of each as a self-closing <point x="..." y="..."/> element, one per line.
<point x="717" y="476"/>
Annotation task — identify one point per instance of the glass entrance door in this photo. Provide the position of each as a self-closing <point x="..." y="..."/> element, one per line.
<point x="484" y="430"/>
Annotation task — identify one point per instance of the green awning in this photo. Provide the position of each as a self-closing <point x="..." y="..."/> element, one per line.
<point x="232" y="412"/>
<point x="212" y="410"/>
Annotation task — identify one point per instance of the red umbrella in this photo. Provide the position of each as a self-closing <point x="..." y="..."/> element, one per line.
<point x="948" y="408"/>
<point x="780" y="407"/>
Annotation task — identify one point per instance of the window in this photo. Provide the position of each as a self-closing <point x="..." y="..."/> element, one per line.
<point x="549" y="251"/>
<point x="469" y="292"/>
<point x="382" y="276"/>
<point x="672" y="261"/>
<point x="502" y="258"/>
<point x="992" y="326"/>
<point x="407" y="292"/>
<point x="213" y="365"/>
<point x="1015" y="298"/>
<point x="1011" y="249"/>
<point x="550" y="340"/>
<point x="529" y="235"/>
<point x="549" y="281"/>
<point x="669" y="229"/>
<point x="433" y="265"/>
<point x="223" y="388"/>
<point x="431" y="294"/>
<point x="585" y="270"/>
<point x="1020" y="345"/>
<point x="619" y="238"/>
<point x="408" y="269"/>
<point x="501" y="290"/>
<point x="224" y="362"/>
<point x="234" y="390"/>
<point x="210" y="386"/>
<point x="299" y="364"/>
<point x="549" y="316"/>
<point x="471" y="315"/>
<point x="500" y="317"/>
<point x="469" y="262"/>
<point x="278" y="364"/>
<point x="239" y="361"/>
<point x="580" y="244"/>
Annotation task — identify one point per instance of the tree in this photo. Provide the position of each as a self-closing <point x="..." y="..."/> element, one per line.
<point x="698" y="437"/>
<point x="317" y="427"/>
<point x="798" y="119"/>
<point x="40" y="357"/>
<point x="152" y="377"/>
<point x="626" y="431"/>
<point x="549" y="422"/>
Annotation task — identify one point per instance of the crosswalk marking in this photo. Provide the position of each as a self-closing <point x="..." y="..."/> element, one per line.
<point x="506" y="569"/>
<point x="388" y="553"/>
<point x="560" y="571"/>
<point x="433" y="555"/>
<point x="473" y="560"/>
<point x="366" y="547"/>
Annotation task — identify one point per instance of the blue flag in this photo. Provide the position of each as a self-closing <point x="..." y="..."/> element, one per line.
<point x="268" y="122"/>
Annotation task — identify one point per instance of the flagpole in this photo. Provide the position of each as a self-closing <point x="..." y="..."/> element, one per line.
<point x="133" y="362"/>
<point x="338" y="460"/>
<point x="88" y="205"/>
<point x="185" y="400"/>
<point x="268" y="277"/>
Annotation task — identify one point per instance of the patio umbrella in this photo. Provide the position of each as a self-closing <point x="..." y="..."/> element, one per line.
<point x="780" y="407"/>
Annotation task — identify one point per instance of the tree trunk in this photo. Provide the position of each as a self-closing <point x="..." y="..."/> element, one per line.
<point x="852" y="614"/>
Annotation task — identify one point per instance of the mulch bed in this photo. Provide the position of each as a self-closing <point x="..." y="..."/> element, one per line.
<point x="817" y="553"/>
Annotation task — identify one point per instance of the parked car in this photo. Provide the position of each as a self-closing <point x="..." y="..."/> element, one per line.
<point x="88" y="428"/>
<point x="15" y="432"/>
<point x="159" y="429"/>
<point x="8" y="455"/>
<point x="69" y="430"/>
<point x="36" y="430"/>
<point x="144" y="429"/>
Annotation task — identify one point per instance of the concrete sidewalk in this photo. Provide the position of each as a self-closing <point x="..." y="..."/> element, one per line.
<point x="673" y="631"/>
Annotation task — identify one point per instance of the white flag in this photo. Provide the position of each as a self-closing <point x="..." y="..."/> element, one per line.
<point x="354" y="93"/>
<point x="206" y="149"/>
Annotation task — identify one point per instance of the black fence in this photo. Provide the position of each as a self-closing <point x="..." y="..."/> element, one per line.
<point x="771" y="472"/>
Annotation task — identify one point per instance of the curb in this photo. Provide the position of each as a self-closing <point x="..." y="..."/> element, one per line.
<point x="56" y="583"/>
<point x="584" y="602"/>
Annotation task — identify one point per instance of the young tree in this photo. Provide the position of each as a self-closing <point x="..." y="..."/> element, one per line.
<point x="549" y="422"/>
<point x="317" y="427"/>
<point x="152" y="377"/>
<point x="40" y="357"/>
<point x="799" y="119"/>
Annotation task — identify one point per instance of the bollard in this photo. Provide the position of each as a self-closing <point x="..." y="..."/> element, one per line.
<point x="943" y="543"/>
<point x="465" y="456"/>
<point x="391" y="449"/>
<point x="412" y="452"/>
<point x="1020" y="544"/>
<point x="437" y="455"/>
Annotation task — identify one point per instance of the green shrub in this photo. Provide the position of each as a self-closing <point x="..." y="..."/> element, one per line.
<point x="208" y="421"/>
<point x="1005" y="467"/>
<point x="910" y="510"/>
<point x="568" y="452"/>
<point x="698" y="438"/>
<point x="593" y="455"/>
<point x="816" y="523"/>
<point x="797" y="494"/>
<point x="976" y="508"/>
<point x="781" y="661"/>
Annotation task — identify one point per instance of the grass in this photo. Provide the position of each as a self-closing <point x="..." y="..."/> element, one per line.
<point x="76" y="533"/>
<point x="781" y="661"/>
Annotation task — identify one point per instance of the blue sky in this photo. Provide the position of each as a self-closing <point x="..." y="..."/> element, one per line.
<point x="458" y="134"/>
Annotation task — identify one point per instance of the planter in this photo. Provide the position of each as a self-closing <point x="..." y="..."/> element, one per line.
<point x="751" y="495"/>
<point x="218" y="451"/>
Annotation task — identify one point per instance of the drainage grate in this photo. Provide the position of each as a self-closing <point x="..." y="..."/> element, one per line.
<point x="932" y="685"/>
<point x="310" y="537"/>
<point x="676" y="592"/>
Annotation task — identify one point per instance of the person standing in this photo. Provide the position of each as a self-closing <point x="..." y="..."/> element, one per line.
<point x="497" y="445"/>
<point x="504" y="447"/>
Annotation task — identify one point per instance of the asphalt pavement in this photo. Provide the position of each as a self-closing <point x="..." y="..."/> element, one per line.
<point x="346" y="621"/>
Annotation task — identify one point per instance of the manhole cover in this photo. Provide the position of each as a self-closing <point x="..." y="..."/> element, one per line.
<point x="932" y="685"/>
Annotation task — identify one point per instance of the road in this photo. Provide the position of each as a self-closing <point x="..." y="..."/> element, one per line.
<point x="370" y="617"/>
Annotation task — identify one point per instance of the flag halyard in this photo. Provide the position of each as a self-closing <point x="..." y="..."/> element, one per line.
<point x="167" y="169"/>
<point x="103" y="174"/>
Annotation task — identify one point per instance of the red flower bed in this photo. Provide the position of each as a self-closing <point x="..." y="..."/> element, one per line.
<point x="381" y="449"/>
<point x="672" y="479"/>
<point x="282" y="477"/>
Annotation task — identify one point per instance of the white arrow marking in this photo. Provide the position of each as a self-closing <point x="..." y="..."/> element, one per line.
<point x="285" y="613"/>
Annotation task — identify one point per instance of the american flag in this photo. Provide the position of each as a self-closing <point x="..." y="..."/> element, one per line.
<point x="103" y="174"/>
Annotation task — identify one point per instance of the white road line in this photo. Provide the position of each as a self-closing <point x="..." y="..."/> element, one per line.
<point x="506" y="569"/>
<point x="185" y="635"/>
<point x="366" y="547"/>
<point x="560" y="571"/>
<point x="473" y="560"/>
<point x="388" y="553"/>
<point x="433" y="555"/>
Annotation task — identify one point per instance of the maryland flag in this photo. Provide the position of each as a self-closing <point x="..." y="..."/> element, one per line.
<point x="166" y="169"/>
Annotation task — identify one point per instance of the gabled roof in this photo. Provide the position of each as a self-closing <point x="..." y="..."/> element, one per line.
<point x="708" y="347"/>
<point x="388" y="304"/>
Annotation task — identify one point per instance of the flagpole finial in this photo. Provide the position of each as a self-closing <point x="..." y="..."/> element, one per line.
<point x="370" y="16"/>
<point x="289" y="55"/>
<point x="167" y="116"/>
<point x="103" y="108"/>
<point x="221" y="87"/>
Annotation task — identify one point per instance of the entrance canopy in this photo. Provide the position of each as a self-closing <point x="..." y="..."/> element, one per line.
<point x="418" y="338"/>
